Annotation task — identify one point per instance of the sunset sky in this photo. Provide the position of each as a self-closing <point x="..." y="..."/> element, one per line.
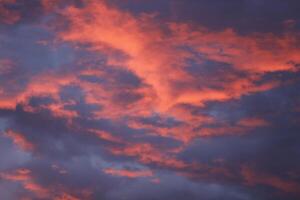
<point x="149" y="99"/>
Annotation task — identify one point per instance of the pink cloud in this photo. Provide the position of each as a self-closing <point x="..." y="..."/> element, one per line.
<point x="20" y="140"/>
<point x="128" y="173"/>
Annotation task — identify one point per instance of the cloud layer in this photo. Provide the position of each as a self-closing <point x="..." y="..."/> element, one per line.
<point x="149" y="100"/>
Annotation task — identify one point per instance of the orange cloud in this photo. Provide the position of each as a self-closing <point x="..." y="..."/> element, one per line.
<point x="253" y="122"/>
<point x="147" y="154"/>
<point x="252" y="178"/>
<point x="44" y="84"/>
<point x="128" y="173"/>
<point x="36" y="189"/>
<point x="157" y="53"/>
<point x="157" y="59"/>
<point x="242" y="126"/>
<point x="106" y="136"/>
<point x="20" y="140"/>
<point x="66" y="196"/>
<point x="18" y="175"/>
<point x="139" y="39"/>
<point x="26" y="178"/>
<point x="254" y="53"/>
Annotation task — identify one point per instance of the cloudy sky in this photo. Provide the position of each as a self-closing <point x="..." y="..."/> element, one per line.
<point x="149" y="99"/>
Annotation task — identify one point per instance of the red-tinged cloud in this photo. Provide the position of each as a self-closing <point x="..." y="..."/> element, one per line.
<point x="128" y="173"/>
<point x="66" y="196"/>
<point x="36" y="189"/>
<point x="147" y="154"/>
<point x="253" y="122"/>
<point x="139" y="39"/>
<point x="20" y="140"/>
<point x="45" y="84"/>
<point x="27" y="178"/>
<point x="106" y="136"/>
<point x="243" y="126"/>
<point x="146" y="97"/>
<point x="19" y="175"/>
<point x="8" y="16"/>
<point x="160" y="58"/>
<point x="254" y="53"/>
<point x="24" y="176"/>
<point x="6" y="66"/>
<point x="253" y="178"/>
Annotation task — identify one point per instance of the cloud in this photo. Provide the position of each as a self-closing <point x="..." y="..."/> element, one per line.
<point x="128" y="173"/>
<point x="253" y="54"/>
<point x="20" y="140"/>
<point x="8" y="16"/>
<point x="252" y="178"/>
<point x="125" y="100"/>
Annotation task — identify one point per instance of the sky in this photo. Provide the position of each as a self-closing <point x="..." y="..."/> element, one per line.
<point x="149" y="99"/>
